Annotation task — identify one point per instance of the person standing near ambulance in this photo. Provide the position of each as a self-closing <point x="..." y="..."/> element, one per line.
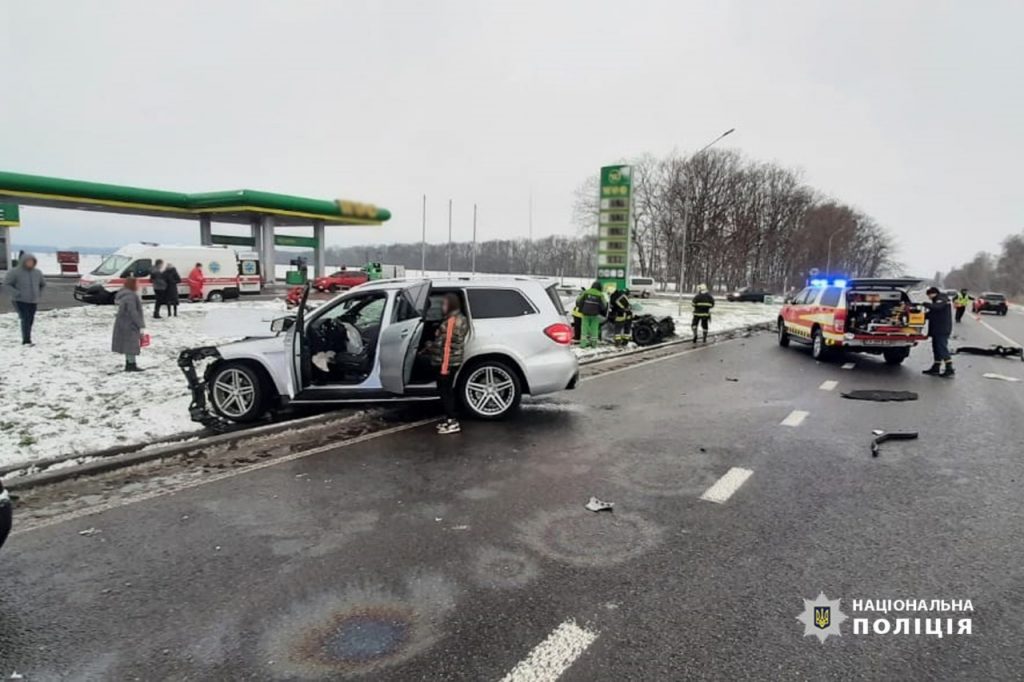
<point x="446" y="353"/>
<point x="156" y="277"/>
<point x="26" y="284"/>
<point x="195" y="284"/>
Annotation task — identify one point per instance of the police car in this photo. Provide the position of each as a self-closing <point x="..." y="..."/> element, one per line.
<point x="863" y="315"/>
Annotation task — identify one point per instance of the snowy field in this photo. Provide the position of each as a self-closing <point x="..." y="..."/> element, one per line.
<point x="67" y="394"/>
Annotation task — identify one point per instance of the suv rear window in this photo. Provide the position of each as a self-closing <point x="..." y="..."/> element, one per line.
<point x="831" y="297"/>
<point x="491" y="303"/>
<point x="993" y="297"/>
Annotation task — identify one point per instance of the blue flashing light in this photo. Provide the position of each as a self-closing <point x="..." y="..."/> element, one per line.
<point x="821" y="282"/>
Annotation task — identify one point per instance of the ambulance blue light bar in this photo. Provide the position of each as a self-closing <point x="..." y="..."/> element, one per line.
<point x="828" y="283"/>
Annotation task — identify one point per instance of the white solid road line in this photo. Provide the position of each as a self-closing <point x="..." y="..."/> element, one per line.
<point x="849" y="365"/>
<point x="724" y="487"/>
<point x="995" y="331"/>
<point x="795" y="418"/>
<point x="828" y="385"/>
<point x="554" y="655"/>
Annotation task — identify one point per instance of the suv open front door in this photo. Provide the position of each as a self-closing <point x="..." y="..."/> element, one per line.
<point x="298" y="352"/>
<point x="400" y="339"/>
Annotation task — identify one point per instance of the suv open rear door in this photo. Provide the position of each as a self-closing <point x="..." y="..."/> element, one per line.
<point x="400" y="339"/>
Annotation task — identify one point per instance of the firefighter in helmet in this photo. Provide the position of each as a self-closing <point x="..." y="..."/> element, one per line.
<point x="703" y="302"/>
<point x="620" y="315"/>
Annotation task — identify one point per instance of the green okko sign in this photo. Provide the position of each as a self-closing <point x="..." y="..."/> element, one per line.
<point x="614" y="219"/>
<point x="9" y="215"/>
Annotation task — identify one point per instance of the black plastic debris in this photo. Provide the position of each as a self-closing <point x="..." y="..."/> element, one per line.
<point x="881" y="437"/>
<point x="596" y="505"/>
<point x="994" y="351"/>
<point x="881" y="396"/>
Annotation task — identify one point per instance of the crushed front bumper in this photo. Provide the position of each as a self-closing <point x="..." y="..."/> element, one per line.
<point x="199" y="408"/>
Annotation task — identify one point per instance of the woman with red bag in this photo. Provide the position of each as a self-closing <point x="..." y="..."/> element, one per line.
<point x="195" y="283"/>
<point x="129" y="325"/>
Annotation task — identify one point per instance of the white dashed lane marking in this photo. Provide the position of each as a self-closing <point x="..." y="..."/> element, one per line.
<point x="724" y="487"/>
<point x="849" y="365"/>
<point x="828" y="385"/>
<point x="795" y="418"/>
<point x="554" y="655"/>
<point x="995" y="331"/>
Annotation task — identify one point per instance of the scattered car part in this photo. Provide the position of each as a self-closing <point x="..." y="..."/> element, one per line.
<point x="994" y="351"/>
<point x="6" y="513"/>
<point x="596" y="505"/>
<point x="882" y="437"/>
<point x="1000" y="377"/>
<point x="880" y="396"/>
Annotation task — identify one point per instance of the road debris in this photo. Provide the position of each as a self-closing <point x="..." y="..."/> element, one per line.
<point x="596" y="505"/>
<point x="848" y="365"/>
<point x="994" y="351"/>
<point x="881" y="437"/>
<point x="89" y="531"/>
<point x="880" y="396"/>
<point x="1000" y="377"/>
<point x="731" y="379"/>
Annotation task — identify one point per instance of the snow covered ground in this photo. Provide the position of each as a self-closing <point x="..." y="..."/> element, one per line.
<point x="68" y="394"/>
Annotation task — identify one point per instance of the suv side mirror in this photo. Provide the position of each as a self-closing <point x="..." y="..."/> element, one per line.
<point x="282" y="324"/>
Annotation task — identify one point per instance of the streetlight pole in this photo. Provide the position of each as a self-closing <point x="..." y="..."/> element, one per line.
<point x="423" y="242"/>
<point x="474" y="241"/>
<point x="449" y="238"/>
<point x="682" y="249"/>
<point x="828" y="259"/>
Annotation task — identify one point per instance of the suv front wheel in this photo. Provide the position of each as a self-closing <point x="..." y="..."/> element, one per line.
<point x="489" y="389"/>
<point x="236" y="392"/>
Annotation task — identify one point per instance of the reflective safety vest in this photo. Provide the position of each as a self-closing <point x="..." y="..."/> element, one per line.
<point x="591" y="302"/>
<point x="961" y="300"/>
<point x="702" y="305"/>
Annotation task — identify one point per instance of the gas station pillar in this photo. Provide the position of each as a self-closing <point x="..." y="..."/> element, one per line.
<point x="320" y="250"/>
<point x="205" y="230"/>
<point x="266" y="248"/>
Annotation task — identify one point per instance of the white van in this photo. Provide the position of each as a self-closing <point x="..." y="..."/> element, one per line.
<point x="219" y="263"/>
<point x="641" y="286"/>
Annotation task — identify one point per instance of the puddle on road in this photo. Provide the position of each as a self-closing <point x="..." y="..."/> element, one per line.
<point x="576" y="536"/>
<point x="503" y="569"/>
<point x="361" y="630"/>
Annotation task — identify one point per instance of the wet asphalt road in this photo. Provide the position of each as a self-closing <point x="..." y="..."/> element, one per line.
<point x="413" y="556"/>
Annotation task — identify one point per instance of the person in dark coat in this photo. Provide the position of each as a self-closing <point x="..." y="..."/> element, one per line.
<point x="445" y="353"/>
<point x="703" y="302"/>
<point x="171" y="297"/>
<point x="156" y="276"/>
<point x="129" y="324"/>
<point x="940" y="326"/>
<point x="26" y="284"/>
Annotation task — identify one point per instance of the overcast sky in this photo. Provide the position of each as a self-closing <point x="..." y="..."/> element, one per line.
<point x="911" y="111"/>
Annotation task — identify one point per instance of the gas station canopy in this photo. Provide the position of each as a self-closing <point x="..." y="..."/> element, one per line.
<point x="262" y="211"/>
<point x="233" y="206"/>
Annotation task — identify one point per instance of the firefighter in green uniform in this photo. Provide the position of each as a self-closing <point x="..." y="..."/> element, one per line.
<point x="592" y="306"/>
<point x="620" y="315"/>
<point x="960" y="303"/>
<point x="703" y="302"/>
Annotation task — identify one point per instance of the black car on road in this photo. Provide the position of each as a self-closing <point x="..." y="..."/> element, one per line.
<point x="748" y="294"/>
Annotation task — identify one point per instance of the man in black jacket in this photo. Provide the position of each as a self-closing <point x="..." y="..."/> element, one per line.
<point x="703" y="302"/>
<point x="940" y="326"/>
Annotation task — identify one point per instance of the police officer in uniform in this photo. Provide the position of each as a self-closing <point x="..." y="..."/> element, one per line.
<point x="592" y="305"/>
<point x="960" y="303"/>
<point x="703" y="302"/>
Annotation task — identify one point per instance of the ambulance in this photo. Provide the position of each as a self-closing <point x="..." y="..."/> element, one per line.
<point x="220" y="265"/>
<point x="860" y="315"/>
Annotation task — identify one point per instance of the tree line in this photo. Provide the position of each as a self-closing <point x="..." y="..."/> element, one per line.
<point x="1002" y="272"/>
<point x="732" y="220"/>
<point x="736" y="221"/>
